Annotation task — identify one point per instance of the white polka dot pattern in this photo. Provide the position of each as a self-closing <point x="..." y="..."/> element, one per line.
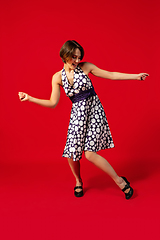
<point x="88" y="128"/>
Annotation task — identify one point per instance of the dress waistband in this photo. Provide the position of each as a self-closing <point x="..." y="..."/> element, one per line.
<point x="83" y="95"/>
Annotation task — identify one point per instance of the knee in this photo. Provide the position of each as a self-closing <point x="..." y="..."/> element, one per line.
<point x="89" y="155"/>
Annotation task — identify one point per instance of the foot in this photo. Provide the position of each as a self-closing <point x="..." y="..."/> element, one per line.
<point x="125" y="187"/>
<point x="78" y="190"/>
<point x="122" y="184"/>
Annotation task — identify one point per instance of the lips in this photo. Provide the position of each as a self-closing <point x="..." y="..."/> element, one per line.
<point x="74" y="65"/>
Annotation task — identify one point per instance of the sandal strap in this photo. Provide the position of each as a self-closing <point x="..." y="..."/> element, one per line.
<point x="125" y="179"/>
<point x="78" y="187"/>
<point x="126" y="187"/>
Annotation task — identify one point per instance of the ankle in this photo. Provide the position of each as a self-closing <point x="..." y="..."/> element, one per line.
<point x="78" y="182"/>
<point x="118" y="180"/>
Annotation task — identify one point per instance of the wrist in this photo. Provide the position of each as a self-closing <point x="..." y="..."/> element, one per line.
<point x="136" y="77"/>
<point x="30" y="98"/>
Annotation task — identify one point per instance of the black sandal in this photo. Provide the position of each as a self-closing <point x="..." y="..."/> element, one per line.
<point x="78" y="194"/>
<point x="127" y="186"/>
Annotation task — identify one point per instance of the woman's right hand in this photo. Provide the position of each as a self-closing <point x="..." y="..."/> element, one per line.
<point x="23" y="96"/>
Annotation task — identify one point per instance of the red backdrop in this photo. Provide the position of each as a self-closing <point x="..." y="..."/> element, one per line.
<point x="118" y="36"/>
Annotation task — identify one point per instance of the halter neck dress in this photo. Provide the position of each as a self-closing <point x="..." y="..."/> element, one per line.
<point x="88" y="127"/>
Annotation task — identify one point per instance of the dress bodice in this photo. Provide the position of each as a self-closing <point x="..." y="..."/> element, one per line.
<point x="81" y="82"/>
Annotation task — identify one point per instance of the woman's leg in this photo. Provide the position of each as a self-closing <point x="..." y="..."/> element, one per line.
<point x="75" y="168"/>
<point x="102" y="163"/>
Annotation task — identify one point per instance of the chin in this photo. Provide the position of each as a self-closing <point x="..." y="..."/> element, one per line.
<point x="74" y="66"/>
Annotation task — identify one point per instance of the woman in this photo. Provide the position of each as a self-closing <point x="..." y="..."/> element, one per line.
<point x="88" y="128"/>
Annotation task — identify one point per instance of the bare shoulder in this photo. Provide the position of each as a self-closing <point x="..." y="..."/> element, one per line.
<point x="57" y="78"/>
<point x="86" y="67"/>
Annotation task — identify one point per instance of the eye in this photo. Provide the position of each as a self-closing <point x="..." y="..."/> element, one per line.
<point x="74" y="57"/>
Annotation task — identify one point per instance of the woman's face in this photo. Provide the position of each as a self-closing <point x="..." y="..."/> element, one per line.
<point x="74" y="61"/>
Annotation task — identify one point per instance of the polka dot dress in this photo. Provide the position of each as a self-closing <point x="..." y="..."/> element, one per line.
<point x="88" y="128"/>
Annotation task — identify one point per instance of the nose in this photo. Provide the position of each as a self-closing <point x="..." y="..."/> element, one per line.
<point x="77" y="60"/>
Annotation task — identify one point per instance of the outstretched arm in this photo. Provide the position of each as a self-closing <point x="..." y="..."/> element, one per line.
<point x="114" y="75"/>
<point x="55" y="95"/>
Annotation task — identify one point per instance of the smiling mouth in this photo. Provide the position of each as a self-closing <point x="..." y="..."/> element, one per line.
<point x="75" y="65"/>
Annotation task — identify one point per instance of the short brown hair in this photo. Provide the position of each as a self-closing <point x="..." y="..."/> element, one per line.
<point x="68" y="48"/>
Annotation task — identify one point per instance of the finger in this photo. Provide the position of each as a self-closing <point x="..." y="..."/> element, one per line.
<point x="146" y="74"/>
<point x="23" y="99"/>
<point x="20" y="93"/>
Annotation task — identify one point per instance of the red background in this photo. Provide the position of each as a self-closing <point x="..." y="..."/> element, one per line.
<point x="36" y="183"/>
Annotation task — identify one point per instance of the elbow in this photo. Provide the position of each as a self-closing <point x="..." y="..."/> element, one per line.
<point x="53" y="105"/>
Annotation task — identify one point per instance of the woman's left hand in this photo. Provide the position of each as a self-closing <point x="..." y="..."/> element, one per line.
<point x="142" y="76"/>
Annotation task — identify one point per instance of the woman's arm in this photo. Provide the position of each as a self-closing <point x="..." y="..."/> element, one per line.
<point x="114" y="75"/>
<point x="55" y="95"/>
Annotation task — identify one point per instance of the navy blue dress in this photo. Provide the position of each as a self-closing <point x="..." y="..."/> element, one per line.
<point x="88" y="128"/>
